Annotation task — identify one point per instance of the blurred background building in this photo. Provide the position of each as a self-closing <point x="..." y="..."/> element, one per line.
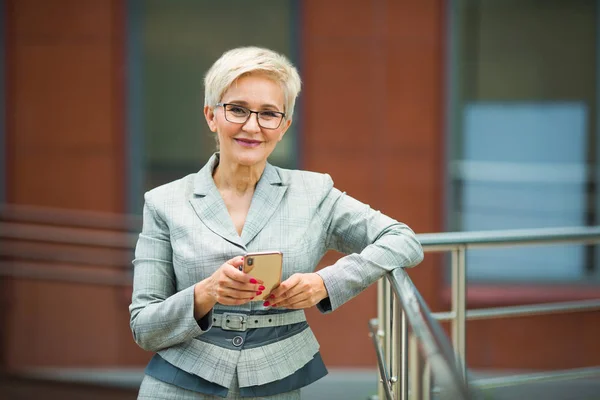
<point x="446" y="115"/>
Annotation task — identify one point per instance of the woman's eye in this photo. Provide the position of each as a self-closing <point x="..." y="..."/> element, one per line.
<point x="237" y="110"/>
<point x="269" y="114"/>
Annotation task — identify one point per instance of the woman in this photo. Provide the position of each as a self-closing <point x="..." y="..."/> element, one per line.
<point x="191" y="303"/>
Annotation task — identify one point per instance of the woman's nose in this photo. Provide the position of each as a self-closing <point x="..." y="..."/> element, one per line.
<point x="251" y="124"/>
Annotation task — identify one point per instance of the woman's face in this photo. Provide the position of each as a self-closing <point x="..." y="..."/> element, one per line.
<point x="248" y="144"/>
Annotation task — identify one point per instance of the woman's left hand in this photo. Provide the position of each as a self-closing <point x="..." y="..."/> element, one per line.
<point x="298" y="291"/>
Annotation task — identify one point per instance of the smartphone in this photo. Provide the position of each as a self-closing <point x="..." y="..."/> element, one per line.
<point x="266" y="266"/>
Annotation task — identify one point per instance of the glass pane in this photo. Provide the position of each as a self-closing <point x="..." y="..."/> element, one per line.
<point x="524" y="130"/>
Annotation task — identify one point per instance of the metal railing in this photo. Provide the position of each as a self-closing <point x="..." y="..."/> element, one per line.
<point x="424" y="349"/>
<point x="396" y="345"/>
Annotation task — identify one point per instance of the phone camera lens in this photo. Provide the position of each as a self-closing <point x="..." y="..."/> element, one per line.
<point x="250" y="261"/>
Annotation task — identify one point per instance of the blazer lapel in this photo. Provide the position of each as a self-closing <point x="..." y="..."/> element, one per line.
<point x="267" y="196"/>
<point x="209" y="205"/>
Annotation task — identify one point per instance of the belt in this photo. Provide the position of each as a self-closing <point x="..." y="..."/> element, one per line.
<point x="242" y="322"/>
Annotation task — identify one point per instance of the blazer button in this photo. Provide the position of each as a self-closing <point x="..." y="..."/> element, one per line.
<point x="238" y="341"/>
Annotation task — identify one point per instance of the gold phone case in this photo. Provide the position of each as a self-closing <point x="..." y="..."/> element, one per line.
<point x="266" y="266"/>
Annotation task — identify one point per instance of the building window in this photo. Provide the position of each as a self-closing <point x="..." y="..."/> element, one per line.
<point x="178" y="41"/>
<point x="523" y="132"/>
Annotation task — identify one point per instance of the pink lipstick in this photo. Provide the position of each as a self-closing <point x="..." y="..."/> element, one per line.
<point x="247" y="143"/>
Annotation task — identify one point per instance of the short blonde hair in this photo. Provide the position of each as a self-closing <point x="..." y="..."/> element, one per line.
<point x="242" y="61"/>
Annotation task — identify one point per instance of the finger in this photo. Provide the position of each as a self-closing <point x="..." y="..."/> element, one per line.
<point x="236" y="261"/>
<point x="294" y="301"/>
<point x="236" y="290"/>
<point x="293" y="287"/>
<point x="284" y="298"/>
<point x="225" y="285"/>
<point x="239" y="274"/>
<point x="236" y="295"/>
<point x="233" y="267"/>
<point x="230" y="284"/>
<point x="248" y="268"/>
<point x="233" y="273"/>
<point x="232" y="301"/>
<point x="280" y="291"/>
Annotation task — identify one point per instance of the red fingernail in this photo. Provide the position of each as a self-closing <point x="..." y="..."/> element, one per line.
<point x="261" y="287"/>
<point x="274" y="305"/>
<point x="252" y="280"/>
<point x="266" y="304"/>
<point x="258" y="293"/>
<point x="272" y="296"/>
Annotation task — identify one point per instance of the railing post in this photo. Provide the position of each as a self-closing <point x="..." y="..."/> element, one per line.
<point x="416" y="370"/>
<point x="395" y="360"/>
<point x="381" y="322"/>
<point x="427" y="381"/>
<point x="399" y="373"/>
<point x="459" y="282"/>
<point x="389" y="296"/>
<point x="404" y="359"/>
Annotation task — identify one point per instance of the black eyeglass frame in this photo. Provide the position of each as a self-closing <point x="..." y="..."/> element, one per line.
<point x="224" y="105"/>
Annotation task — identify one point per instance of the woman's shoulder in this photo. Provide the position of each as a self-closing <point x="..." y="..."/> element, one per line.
<point x="304" y="179"/>
<point x="172" y="190"/>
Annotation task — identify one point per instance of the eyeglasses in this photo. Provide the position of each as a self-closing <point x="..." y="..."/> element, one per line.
<point x="239" y="115"/>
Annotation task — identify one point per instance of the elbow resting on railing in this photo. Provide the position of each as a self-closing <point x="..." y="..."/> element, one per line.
<point x="417" y="253"/>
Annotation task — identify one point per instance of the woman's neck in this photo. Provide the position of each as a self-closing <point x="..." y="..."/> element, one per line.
<point x="238" y="178"/>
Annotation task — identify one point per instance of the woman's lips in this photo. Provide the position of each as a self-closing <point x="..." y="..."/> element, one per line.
<point x="247" y="143"/>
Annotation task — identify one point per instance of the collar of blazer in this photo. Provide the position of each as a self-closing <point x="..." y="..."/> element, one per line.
<point x="211" y="209"/>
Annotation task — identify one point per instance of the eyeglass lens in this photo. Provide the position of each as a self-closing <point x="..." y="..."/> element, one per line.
<point x="239" y="115"/>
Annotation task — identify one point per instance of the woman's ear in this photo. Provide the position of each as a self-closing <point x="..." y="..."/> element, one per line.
<point x="287" y="124"/>
<point x="209" y="114"/>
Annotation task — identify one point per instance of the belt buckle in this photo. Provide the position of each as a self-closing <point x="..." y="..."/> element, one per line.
<point x="234" y="322"/>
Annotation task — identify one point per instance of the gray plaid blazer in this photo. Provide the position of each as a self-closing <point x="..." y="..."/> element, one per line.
<point x="187" y="234"/>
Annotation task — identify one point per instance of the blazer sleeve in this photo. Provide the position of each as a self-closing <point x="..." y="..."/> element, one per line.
<point x="160" y="316"/>
<point x="374" y="244"/>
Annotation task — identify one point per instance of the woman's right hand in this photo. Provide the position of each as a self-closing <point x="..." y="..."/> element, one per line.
<point x="228" y="286"/>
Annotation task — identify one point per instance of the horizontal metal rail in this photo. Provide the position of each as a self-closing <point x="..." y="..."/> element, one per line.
<point x="503" y="238"/>
<point x="525" y="310"/>
<point x="547" y="376"/>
